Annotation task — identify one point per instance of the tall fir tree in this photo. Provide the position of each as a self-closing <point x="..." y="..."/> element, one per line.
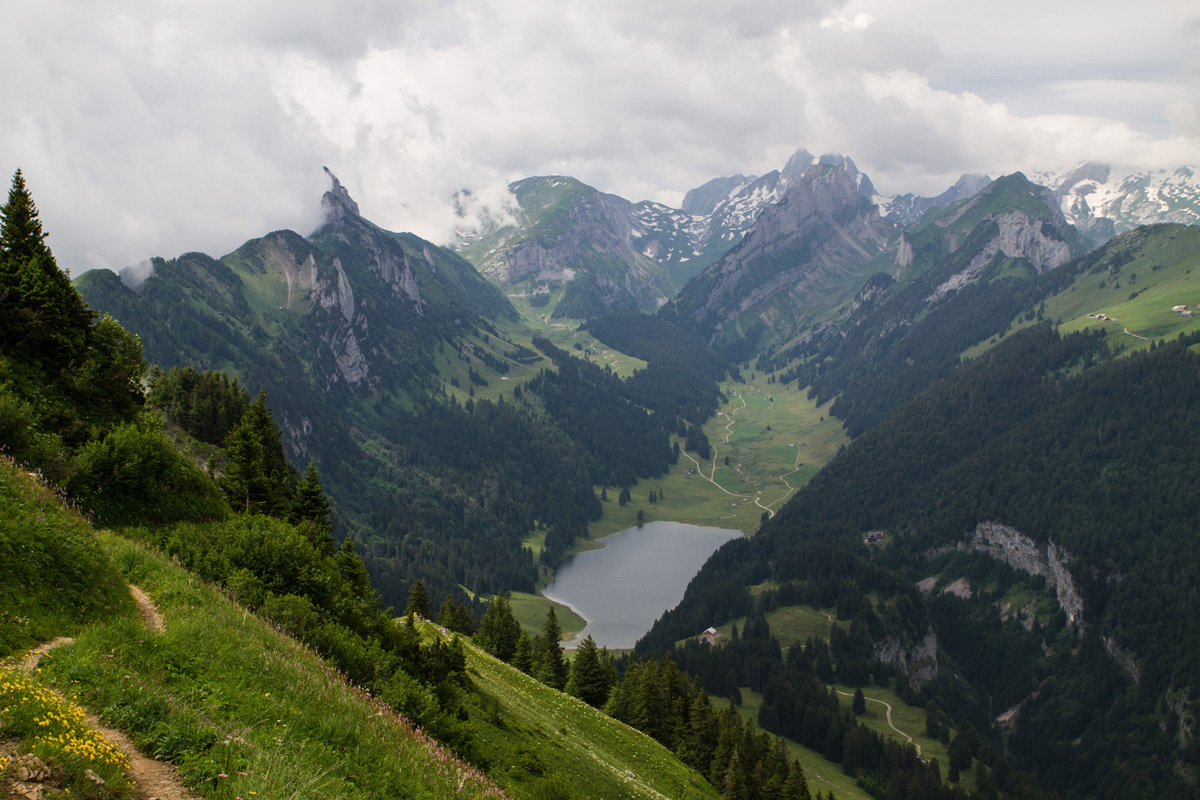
<point x="418" y="600"/>
<point x="523" y="656"/>
<point x="258" y="476"/>
<point x="311" y="510"/>
<point x="351" y="567"/>
<point x="43" y="320"/>
<point x="589" y="679"/>
<point x="499" y="630"/>
<point x="549" y="665"/>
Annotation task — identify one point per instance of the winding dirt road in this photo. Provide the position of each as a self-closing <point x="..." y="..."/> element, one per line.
<point x="888" y="706"/>
<point x="756" y="497"/>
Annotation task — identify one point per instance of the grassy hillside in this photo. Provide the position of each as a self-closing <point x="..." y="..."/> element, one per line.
<point x="1136" y="287"/>
<point x="221" y="693"/>
<point x="777" y="440"/>
<point x="229" y="699"/>
<point x="54" y="578"/>
<point x="535" y="738"/>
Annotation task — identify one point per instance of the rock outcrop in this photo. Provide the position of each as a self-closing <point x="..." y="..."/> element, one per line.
<point x="795" y="258"/>
<point x="1021" y="552"/>
<point x="916" y="658"/>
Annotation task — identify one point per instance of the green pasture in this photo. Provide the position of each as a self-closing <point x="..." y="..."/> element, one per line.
<point x="762" y="466"/>
<point x="822" y="775"/>
<point x="531" y="609"/>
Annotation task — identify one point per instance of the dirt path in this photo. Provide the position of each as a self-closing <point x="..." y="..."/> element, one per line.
<point x="156" y="780"/>
<point x="888" y="706"/>
<point x="153" y="619"/>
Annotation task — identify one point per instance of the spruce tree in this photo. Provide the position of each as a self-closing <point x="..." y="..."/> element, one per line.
<point x="735" y="780"/>
<point x="796" y="785"/>
<point x="446" y="613"/>
<point x="351" y="568"/>
<point x="549" y="666"/>
<point x="310" y="511"/>
<point x="588" y="680"/>
<point x="258" y="476"/>
<point x="418" y="600"/>
<point x="499" y="630"/>
<point x="454" y="616"/>
<point x="43" y="320"/>
<point x="523" y="656"/>
<point x="21" y="234"/>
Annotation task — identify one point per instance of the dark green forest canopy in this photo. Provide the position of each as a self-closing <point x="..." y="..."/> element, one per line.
<point x="1045" y="435"/>
<point x="682" y="373"/>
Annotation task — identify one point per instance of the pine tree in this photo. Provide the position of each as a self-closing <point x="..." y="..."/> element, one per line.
<point x="796" y="785"/>
<point x="454" y="616"/>
<point x="588" y="680"/>
<point x="734" y="785"/>
<point x="21" y="234"/>
<point x="446" y="613"/>
<point x="523" y="656"/>
<point x="257" y="474"/>
<point x="352" y="569"/>
<point x="310" y="511"/>
<point x="499" y="630"/>
<point x="549" y="666"/>
<point x="859" y="705"/>
<point x="43" y="320"/>
<point x="418" y="600"/>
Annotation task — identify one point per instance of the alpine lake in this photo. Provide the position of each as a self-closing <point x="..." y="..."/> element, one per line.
<point x="622" y="588"/>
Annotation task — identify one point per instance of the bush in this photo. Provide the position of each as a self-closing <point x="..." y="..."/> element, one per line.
<point x="134" y="475"/>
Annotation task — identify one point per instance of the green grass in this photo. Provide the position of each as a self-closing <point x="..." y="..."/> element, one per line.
<point x="531" y="609"/>
<point x="223" y="693"/>
<point x="822" y="775"/>
<point x="793" y="625"/>
<point x="530" y="733"/>
<point x="762" y="465"/>
<point x="910" y="719"/>
<point x="229" y="699"/>
<point x="1163" y="271"/>
<point x="53" y="577"/>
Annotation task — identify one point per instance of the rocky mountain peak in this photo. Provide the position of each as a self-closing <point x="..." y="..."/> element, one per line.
<point x="337" y="202"/>
<point x="705" y="199"/>
<point x="796" y="166"/>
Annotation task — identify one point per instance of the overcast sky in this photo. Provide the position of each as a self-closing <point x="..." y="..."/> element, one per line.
<point x="155" y="127"/>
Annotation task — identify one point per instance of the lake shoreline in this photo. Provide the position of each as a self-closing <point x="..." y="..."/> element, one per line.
<point x="622" y="587"/>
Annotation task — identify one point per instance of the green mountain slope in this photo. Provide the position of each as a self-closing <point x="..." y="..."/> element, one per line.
<point x="571" y="247"/>
<point x="444" y="436"/>
<point x="998" y="256"/>
<point x="223" y="695"/>
<point x="547" y="736"/>
<point x="1056" y="489"/>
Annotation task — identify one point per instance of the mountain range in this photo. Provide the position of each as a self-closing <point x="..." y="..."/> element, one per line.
<point x="1035" y="545"/>
<point x="577" y="253"/>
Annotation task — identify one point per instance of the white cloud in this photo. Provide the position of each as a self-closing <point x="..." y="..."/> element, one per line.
<point x="150" y="129"/>
<point x="860" y="22"/>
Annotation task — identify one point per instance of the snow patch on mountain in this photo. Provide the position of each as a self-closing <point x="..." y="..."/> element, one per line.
<point x="1104" y="201"/>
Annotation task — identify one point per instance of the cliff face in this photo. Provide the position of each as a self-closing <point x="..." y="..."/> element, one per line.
<point x="1021" y="552"/>
<point x="574" y="237"/>
<point x="318" y="320"/>
<point x="917" y="658"/>
<point x="1018" y="236"/>
<point x="810" y="250"/>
